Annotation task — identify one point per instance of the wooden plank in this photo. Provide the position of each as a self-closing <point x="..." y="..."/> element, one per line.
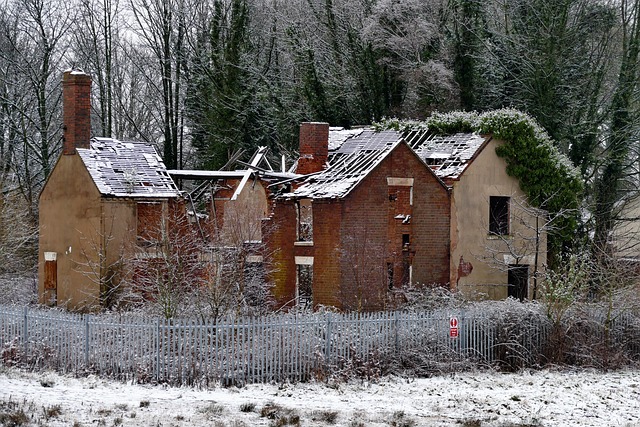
<point x="51" y="275"/>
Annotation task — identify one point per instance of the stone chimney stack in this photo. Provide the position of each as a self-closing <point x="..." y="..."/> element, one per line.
<point x="314" y="147"/>
<point x="76" y="107"/>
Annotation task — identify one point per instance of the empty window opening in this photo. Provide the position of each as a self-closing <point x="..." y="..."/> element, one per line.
<point x="406" y="241"/>
<point x="518" y="278"/>
<point x="499" y="215"/>
<point x="390" y="275"/>
<point x="304" y="292"/>
<point x="305" y="221"/>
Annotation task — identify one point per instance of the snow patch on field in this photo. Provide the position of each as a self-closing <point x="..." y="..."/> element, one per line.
<point x="544" y="398"/>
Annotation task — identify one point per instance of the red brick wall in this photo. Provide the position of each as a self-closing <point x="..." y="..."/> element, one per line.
<point x="354" y="239"/>
<point x="279" y="235"/>
<point x="76" y="107"/>
<point x="327" y="218"/>
<point x="149" y="223"/>
<point x="369" y="240"/>
<point x="398" y="254"/>
<point x="431" y="234"/>
<point x="314" y="147"/>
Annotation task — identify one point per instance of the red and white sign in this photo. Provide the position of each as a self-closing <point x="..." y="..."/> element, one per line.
<point x="453" y="327"/>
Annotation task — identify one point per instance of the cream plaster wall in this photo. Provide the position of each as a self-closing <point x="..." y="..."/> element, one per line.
<point x="118" y="235"/>
<point x="626" y="232"/>
<point x="70" y="220"/>
<point x="243" y="216"/>
<point x="486" y="176"/>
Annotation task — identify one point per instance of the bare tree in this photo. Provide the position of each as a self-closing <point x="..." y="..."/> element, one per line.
<point x="96" y="37"/>
<point x="409" y="34"/>
<point x="33" y="38"/>
<point x="103" y="262"/>
<point x="18" y="234"/>
<point x="237" y="263"/>
<point x="526" y="239"/>
<point x="162" y="26"/>
<point x="178" y="269"/>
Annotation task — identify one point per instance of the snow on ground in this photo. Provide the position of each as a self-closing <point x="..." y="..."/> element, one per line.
<point x="483" y="398"/>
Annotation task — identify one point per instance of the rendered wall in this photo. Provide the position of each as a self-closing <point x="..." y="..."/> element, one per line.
<point x="470" y="239"/>
<point x="70" y="223"/>
<point x="626" y="232"/>
<point x="238" y="221"/>
<point x="118" y="240"/>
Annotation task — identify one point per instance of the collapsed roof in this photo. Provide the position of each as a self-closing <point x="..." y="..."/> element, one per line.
<point x="448" y="156"/>
<point x="258" y="167"/>
<point x="351" y="158"/>
<point x="353" y="154"/>
<point x="127" y="169"/>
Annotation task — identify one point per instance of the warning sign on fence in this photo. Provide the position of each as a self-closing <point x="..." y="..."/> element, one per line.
<point x="453" y="327"/>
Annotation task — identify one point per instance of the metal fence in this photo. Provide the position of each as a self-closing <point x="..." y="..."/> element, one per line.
<point x="271" y="348"/>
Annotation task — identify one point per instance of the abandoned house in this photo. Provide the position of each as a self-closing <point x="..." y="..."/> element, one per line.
<point x="498" y="241"/>
<point x="368" y="218"/>
<point x="101" y="196"/>
<point x="376" y="211"/>
<point x="362" y="215"/>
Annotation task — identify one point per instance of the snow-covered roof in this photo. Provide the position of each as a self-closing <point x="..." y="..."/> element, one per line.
<point x="353" y="154"/>
<point x="350" y="161"/>
<point x="127" y="169"/>
<point x="448" y="156"/>
<point x="338" y="135"/>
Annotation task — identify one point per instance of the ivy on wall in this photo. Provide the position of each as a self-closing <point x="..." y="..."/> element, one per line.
<point x="546" y="176"/>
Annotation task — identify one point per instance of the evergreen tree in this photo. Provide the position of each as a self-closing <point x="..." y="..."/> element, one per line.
<point x="219" y="88"/>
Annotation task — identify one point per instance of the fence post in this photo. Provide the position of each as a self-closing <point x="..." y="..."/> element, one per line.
<point x="396" y="326"/>
<point x="25" y="333"/>
<point x="87" y="340"/>
<point x="464" y="335"/>
<point x="157" y="370"/>
<point x="327" y="349"/>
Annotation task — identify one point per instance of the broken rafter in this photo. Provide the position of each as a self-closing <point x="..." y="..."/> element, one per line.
<point x="255" y="161"/>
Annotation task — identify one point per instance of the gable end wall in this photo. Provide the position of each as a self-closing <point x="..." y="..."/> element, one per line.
<point x="365" y="232"/>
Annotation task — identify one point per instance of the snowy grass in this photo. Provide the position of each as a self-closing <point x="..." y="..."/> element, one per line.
<point x="481" y="398"/>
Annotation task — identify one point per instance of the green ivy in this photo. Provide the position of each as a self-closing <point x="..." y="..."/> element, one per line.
<point x="546" y="176"/>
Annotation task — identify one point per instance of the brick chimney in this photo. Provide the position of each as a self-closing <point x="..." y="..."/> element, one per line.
<point x="76" y="107"/>
<point x="314" y="147"/>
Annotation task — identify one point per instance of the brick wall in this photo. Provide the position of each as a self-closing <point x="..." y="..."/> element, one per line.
<point x="327" y="218"/>
<point x="76" y="105"/>
<point x="314" y="147"/>
<point x="431" y="224"/>
<point x="399" y="224"/>
<point x="357" y="239"/>
<point x="279" y="235"/>
<point x="371" y="238"/>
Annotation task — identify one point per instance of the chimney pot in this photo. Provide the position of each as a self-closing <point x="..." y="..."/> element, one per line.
<point x="76" y="106"/>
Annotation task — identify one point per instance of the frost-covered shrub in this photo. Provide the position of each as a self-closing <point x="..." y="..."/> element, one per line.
<point x="453" y="122"/>
<point x="369" y="367"/>
<point x="521" y="331"/>
<point x="418" y="297"/>
<point x="18" y="289"/>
